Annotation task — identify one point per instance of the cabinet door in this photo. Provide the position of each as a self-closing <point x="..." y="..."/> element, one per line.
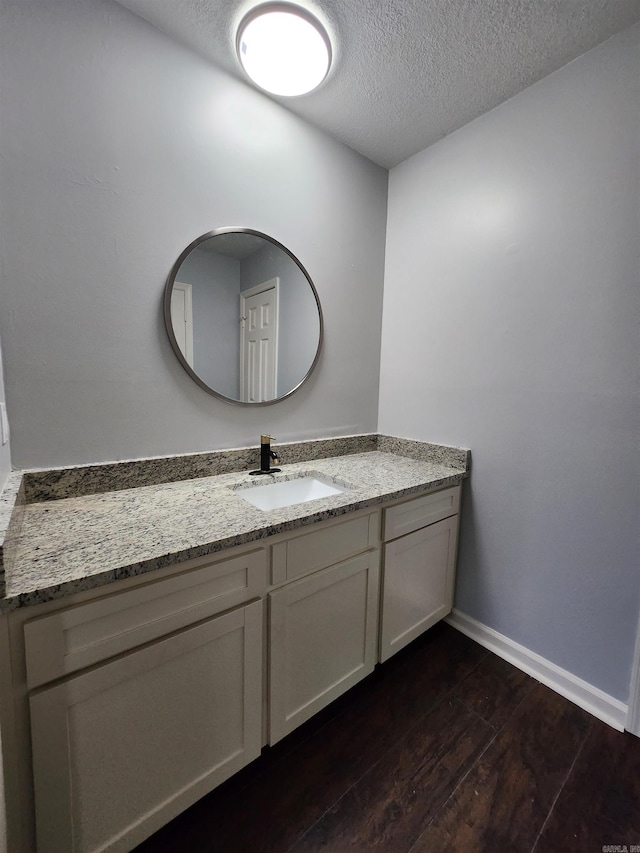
<point x="323" y="632"/>
<point x="418" y="581"/>
<point x="121" y="749"/>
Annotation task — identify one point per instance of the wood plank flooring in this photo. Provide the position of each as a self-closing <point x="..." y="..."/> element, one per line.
<point x="446" y="747"/>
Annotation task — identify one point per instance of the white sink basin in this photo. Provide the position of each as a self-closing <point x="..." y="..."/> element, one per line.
<point x="288" y="492"/>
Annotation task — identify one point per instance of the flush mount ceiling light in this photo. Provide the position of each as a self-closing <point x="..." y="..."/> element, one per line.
<point x="283" y="49"/>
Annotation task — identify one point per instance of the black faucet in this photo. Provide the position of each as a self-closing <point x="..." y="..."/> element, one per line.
<point x="266" y="455"/>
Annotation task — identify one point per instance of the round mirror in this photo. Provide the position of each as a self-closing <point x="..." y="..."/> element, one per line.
<point x="243" y="316"/>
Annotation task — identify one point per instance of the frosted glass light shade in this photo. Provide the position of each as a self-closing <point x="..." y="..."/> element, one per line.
<point x="283" y="49"/>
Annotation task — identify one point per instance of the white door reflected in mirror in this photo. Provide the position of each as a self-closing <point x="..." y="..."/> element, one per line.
<point x="182" y="319"/>
<point x="259" y="342"/>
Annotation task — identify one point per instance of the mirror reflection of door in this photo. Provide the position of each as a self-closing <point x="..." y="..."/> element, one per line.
<point x="182" y="319"/>
<point x="259" y="342"/>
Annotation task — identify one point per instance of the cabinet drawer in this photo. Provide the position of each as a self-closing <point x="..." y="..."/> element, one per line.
<point x="80" y="636"/>
<point x="418" y="512"/>
<point x="309" y="552"/>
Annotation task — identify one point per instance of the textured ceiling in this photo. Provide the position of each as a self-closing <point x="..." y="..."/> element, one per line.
<point x="408" y="72"/>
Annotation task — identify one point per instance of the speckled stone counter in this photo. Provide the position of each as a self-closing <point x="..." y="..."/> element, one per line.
<point x="53" y="548"/>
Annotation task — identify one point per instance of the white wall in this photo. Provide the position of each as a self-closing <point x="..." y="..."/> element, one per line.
<point x="215" y="281"/>
<point x="119" y="148"/>
<point x="510" y="327"/>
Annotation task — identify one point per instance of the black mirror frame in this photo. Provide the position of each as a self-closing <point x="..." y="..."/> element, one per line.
<point x="169" y="326"/>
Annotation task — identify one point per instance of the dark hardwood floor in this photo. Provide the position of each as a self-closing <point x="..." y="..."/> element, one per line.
<point x="444" y="748"/>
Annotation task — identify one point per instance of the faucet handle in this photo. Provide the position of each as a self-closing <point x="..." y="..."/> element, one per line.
<point x="265" y="439"/>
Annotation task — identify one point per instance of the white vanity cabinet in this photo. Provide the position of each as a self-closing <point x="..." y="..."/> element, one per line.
<point x="132" y="701"/>
<point x="323" y="627"/>
<point x="123" y="745"/>
<point x="419" y="557"/>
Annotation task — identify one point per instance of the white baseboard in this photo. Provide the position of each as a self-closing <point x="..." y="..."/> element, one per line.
<point x="585" y="695"/>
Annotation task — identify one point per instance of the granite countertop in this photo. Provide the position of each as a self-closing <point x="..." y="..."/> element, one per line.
<point x="77" y="543"/>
